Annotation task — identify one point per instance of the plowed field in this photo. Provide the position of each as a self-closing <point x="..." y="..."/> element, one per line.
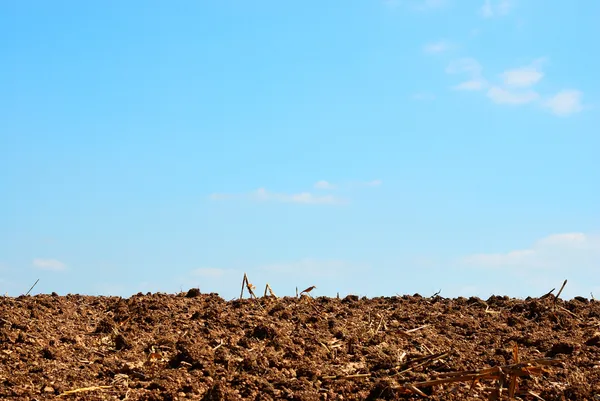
<point x="199" y="346"/>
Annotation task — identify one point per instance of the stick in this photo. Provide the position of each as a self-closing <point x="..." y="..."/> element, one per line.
<point x="416" y="329"/>
<point x="36" y="281"/>
<point x="569" y="312"/>
<point x="429" y="361"/>
<point x="80" y="390"/>
<point x="250" y="288"/>
<point x="546" y="295"/>
<point x="561" y="288"/>
<point x="415" y="390"/>
<point x="355" y="376"/>
<point x="268" y="287"/>
<point x="244" y="280"/>
<point x="534" y="395"/>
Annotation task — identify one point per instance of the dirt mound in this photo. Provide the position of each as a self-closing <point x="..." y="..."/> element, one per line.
<point x="197" y="346"/>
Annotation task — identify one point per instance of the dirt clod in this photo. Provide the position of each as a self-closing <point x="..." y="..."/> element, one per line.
<point x="193" y="293"/>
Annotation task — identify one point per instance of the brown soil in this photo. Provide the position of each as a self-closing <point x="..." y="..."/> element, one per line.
<point x="195" y="346"/>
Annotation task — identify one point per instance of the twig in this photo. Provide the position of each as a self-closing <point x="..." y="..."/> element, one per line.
<point x="250" y="287"/>
<point x="487" y="310"/>
<point x="429" y="361"/>
<point x="569" y="312"/>
<point x="268" y="287"/>
<point x="416" y="329"/>
<point x="82" y="389"/>
<point x="534" y="395"/>
<point x="354" y="376"/>
<point x="36" y="281"/>
<point x="559" y="291"/>
<point x="415" y="390"/>
<point x="218" y="346"/>
<point x="244" y="280"/>
<point x="549" y="293"/>
<point x="379" y="325"/>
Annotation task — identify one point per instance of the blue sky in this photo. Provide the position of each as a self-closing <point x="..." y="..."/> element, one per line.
<point x="367" y="147"/>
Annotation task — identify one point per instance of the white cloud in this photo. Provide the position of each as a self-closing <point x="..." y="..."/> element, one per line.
<point x="465" y="65"/>
<point x="49" y="264"/>
<point x="471" y="68"/>
<point x="324" y="185"/>
<point x="496" y="8"/>
<point x="522" y="77"/>
<point x="515" y="88"/>
<point x="472" y="85"/>
<point x="262" y="194"/>
<point x="559" y="251"/>
<point x="504" y="96"/>
<point x="565" y="103"/>
<point x="437" y="47"/>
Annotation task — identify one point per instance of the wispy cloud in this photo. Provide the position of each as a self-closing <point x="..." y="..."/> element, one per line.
<point x="437" y="47"/>
<point x="464" y="65"/>
<point x="472" y="69"/>
<point x="559" y="251"/>
<point x="324" y="185"/>
<point x="504" y="96"/>
<point x="49" y="264"/>
<point x="515" y="86"/>
<point x="263" y="195"/>
<point x="522" y="77"/>
<point x="496" y="8"/>
<point x="565" y="103"/>
<point x="472" y="85"/>
<point x="306" y="197"/>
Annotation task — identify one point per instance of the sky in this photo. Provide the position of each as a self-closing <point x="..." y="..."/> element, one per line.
<point x="368" y="147"/>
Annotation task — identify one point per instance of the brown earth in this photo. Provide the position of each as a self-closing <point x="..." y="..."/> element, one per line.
<point x="196" y="346"/>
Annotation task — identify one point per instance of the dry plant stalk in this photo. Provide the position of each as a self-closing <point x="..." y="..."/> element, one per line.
<point x="501" y="373"/>
<point x="82" y="389"/>
<point x="249" y="286"/>
<point x="560" y="291"/>
<point x="270" y="290"/>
